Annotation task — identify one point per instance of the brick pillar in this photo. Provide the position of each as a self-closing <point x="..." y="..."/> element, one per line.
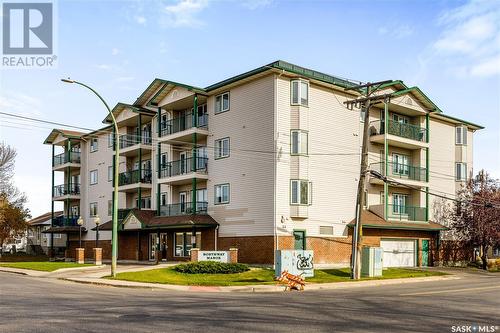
<point x="80" y="255"/>
<point x="194" y="254"/>
<point x="233" y="255"/>
<point x="98" y="256"/>
<point x="419" y="254"/>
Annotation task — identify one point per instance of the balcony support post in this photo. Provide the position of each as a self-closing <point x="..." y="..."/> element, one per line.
<point x="139" y="189"/>
<point x="51" y="255"/>
<point x="427" y="168"/>
<point x="386" y="161"/>
<point x="195" y="154"/>
<point x="158" y="186"/>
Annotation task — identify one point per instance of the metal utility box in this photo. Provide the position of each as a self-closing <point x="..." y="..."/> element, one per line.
<point x="371" y="261"/>
<point x="297" y="262"/>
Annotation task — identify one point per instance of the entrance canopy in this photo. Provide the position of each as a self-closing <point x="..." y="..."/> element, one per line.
<point x="370" y="220"/>
<point x="147" y="219"/>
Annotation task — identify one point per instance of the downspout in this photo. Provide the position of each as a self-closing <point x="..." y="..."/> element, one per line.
<point x="216" y="236"/>
<point x="52" y="205"/>
<point x="139" y="140"/>
<point x="194" y="160"/>
<point x="275" y="164"/>
<point x="427" y="168"/>
<point x="158" y="185"/>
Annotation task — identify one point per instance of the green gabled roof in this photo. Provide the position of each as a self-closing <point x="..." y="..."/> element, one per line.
<point x="465" y="122"/>
<point x="286" y="66"/>
<point x="420" y="94"/>
<point x="65" y="133"/>
<point x="121" y="106"/>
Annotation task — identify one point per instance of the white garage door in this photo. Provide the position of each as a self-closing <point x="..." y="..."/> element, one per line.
<point x="398" y="253"/>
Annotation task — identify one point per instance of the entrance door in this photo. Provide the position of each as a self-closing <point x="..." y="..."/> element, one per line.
<point x="182" y="163"/>
<point x="425" y="252"/>
<point x="163" y="246"/>
<point x="153" y="242"/>
<point x="201" y="200"/>
<point x="398" y="253"/>
<point x="182" y="202"/>
<point x="300" y="239"/>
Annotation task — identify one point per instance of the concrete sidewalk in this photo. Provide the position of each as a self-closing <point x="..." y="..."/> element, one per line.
<point x="255" y="288"/>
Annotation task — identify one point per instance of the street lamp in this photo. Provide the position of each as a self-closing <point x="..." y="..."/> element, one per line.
<point x="80" y="223"/>
<point x="114" y="235"/>
<point x="97" y="221"/>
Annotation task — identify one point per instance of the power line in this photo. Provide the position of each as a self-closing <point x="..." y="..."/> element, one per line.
<point x="44" y="121"/>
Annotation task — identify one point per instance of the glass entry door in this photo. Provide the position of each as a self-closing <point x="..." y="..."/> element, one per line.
<point x="163" y="246"/>
<point x="153" y="243"/>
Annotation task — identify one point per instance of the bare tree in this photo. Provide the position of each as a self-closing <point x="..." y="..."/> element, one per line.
<point x="477" y="216"/>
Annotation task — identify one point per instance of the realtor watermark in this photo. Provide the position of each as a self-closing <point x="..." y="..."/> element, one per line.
<point x="28" y="35"/>
<point x="475" y="329"/>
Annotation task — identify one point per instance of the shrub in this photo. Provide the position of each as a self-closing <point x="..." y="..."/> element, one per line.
<point x="210" y="267"/>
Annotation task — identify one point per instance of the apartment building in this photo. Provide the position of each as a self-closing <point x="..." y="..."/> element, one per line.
<point x="266" y="160"/>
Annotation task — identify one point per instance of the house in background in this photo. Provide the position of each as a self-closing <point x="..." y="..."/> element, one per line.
<point x="39" y="242"/>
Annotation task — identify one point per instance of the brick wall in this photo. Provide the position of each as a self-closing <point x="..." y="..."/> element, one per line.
<point x="251" y="250"/>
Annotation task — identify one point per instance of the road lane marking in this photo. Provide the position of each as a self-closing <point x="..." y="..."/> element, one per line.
<point x="449" y="291"/>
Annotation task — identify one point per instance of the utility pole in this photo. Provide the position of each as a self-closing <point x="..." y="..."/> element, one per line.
<point x="365" y="103"/>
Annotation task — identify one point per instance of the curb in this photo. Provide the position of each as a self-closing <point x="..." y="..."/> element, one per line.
<point x="13" y="272"/>
<point x="35" y="273"/>
<point x="254" y="288"/>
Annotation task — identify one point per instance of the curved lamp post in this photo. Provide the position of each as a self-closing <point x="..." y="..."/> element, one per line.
<point x="114" y="235"/>
<point x="80" y="223"/>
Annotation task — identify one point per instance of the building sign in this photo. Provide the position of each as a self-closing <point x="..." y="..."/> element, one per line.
<point x="297" y="262"/>
<point x="219" y="256"/>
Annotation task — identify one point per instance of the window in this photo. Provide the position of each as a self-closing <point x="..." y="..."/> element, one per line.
<point x="400" y="164"/>
<point x="222" y="148"/>
<point x="93" y="177"/>
<point x="382" y="197"/>
<point x="164" y="160"/>
<point x="461" y="135"/>
<point x="399" y="203"/>
<point x="110" y="207"/>
<point x="163" y="199"/>
<point x="301" y="192"/>
<point x="145" y="202"/>
<point x="400" y="119"/>
<point x="461" y="171"/>
<point x="299" y="142"/>
<point x="111" y="137"/>
<point x="93" y="209"/>
<point x="222" y="103"/>
<point x="221" y="194"/>
<point x="300" y="92"/>
<point x="326" y="230"/>
<point x="110" y="173"/>
<point x="184" y="243"/>
<point x="94" y="145"/>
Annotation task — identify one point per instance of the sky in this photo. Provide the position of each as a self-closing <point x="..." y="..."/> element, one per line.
<point x="450" y="49"/>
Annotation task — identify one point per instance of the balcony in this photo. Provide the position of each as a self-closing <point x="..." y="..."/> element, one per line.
<point x="399" y="134"/>
<point x="185" y="208"/>
<point x="66" y="191"/>
<point x="131" y="143"/>
<point x="66" y="159"/>
<point x="180" y="129"/>
<point x="401" y="213"/>
<point x="122" y="213"/>
<point x="404" y="173"/>
<point x="182" y="171"/>
<point x="131" y="180"/>
<point x="64" y="221"/>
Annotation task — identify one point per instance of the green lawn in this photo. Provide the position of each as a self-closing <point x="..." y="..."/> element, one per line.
<point x="254" y="276"/>
<point x="42" y="266"/>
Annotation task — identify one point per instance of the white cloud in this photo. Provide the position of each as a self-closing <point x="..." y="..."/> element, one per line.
<point x="115" y="51"/>
<point x="256" y="4"/>
<point x="104" y="67"/>
<point x="396" y="31"/>
<point x="183" y="14"/>
<point x="140" y="19"/>
<point x="470" y="39"/>
<point x="20" y="104"/>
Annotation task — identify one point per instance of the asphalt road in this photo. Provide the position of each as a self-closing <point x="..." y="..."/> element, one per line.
<point x="29" y="304"/>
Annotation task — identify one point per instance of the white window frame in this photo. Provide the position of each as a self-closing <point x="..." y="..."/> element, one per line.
<point x="461" y="135"/>
<point x="302" y="136"/>
<point x="220" y="108"/>
<point x="96" y="177"/>
<point x="400" y="164"/>
<point x="96" y="206"/>
<point x="297" y="185"/>
<point x="111" y="137"/>
<point x="219" y="193"/>
<point x="94" y="145"/>
<point x="110" y="173"/>
<point x="300" y="98"/>
<point x="186" y="243"/>
<point x="460" y="174"/>
<point x="110" y="207"/>
<point x="400" y="203"/>
<point x="219" y="148"/>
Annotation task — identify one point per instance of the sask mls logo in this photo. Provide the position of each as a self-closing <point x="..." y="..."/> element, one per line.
<point x="28" y="29"/>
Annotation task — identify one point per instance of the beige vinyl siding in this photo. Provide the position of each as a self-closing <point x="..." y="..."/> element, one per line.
<point x="249" y="125"/>
<point x="332" y="129"/>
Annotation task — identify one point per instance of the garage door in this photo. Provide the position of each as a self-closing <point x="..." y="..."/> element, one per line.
<point x="398" y="253"/>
